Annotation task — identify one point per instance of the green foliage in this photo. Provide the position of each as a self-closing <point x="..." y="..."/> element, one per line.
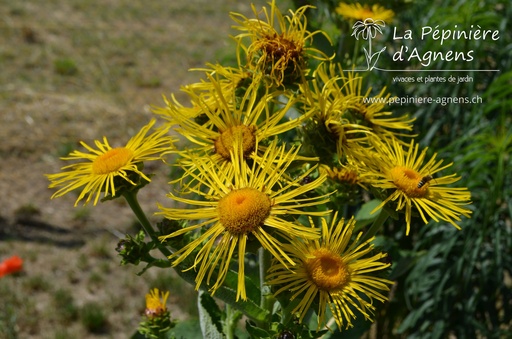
<point x="8" y="317"/>
<point x="133" y="250"/>
<point x="65" y="305"/>
<point x="157" y="327"/>
<point x="93" y="317"/>
<point x="210" y="317"/>
<point x="37" y="283"/>
<point x="65" y="67"/>
<point x="62" y="334"/>
<point x="451" y="282"/>
<point x="187" y="329"/>
<point x="124" y="187"/>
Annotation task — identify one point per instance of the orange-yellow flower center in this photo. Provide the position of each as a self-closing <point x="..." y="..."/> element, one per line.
<point x="280" y="57"/>
<point x="277" y="47"/>
<point x="112" y="160"/>
<point x="327" y="270"/>
<point x="408" y="181"/>
<point x="243" y="210"/>
<point x="244" y="134"/>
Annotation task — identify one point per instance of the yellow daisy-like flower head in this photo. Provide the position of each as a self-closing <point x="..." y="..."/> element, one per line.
<point x="248" y="205"/>
<point x="413" y="183"/>
<point x="347" y="173"/>
<point x="155" y="303"/>
<point x="349" y="116"/>
<point x="341" y="174"/>
<point x="359" y="12"/>
<point x="325" y="98"/>
<point x="229" y="81"/>
<point x="369" y="110"/>
<point x="254" y="116"/>
<point x="105" y="165"/>
<point x="280" y="44"/>
<point x="332" y="271"/>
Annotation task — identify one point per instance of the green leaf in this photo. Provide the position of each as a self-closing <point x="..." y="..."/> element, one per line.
<point x="137" y="335"/>
<point x="187" y="329"/>
<point x="160" y="263"/>
<point x="364" y="216"/>
<point x="210" y="316"/>
<point x="403" y="265"/>
<point x="227" y="292"/>
<point x="256" y="332"/>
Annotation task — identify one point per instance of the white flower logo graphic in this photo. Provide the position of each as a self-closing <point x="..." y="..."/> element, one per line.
<point x="368" y="29"/>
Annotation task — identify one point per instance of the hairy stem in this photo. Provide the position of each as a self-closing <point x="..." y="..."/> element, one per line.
<point x="133" y="202"/>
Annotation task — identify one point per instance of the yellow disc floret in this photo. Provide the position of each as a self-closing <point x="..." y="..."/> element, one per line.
<point x="112" y="160"/>
<point x="327" y="270"/>
<point x="243" y="210"/>
<point x="407" y="180"/>
<point x="244" y="134"/>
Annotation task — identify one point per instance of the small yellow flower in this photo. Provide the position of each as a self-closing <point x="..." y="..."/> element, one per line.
<point x="347" y="173"/>
<point x="279" y="44"/>
<point x="155" y="303"/>
<point x="413" y="183"/>
<point x="332" y="271"/>
<point x="106" y="164"/>
<point x="359" y="12"/>
<point x="248" y="205"/>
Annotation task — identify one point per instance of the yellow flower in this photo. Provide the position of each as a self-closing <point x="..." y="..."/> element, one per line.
<point x="347" y="173"/>
<point x="279" y="44"/>
<point x="155" y="303"/>
<point x="105" y="165"/>
<point x="326" y="98"/>
<point x="332" y="271"/>
<point x="248" y="119"/>
<point x="349" y="116"/>
<point x="359" y="12"/>
<point x="229" y="81"/>
<point x="414" y="184"/>
<point x="369" y="110"/>
<point x="248" y="205"/>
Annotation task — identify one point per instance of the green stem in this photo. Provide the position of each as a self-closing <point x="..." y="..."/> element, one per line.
<point x="226" y="294"/>
<point x="133" y="202"/>
<point x="267" y="299"/>
<point x="232" y="317"/>
<point x="229" y="330"/>
<point x="377" y="224"/>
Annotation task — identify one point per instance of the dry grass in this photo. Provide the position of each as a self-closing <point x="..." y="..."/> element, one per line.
<point x="77" y="70"/>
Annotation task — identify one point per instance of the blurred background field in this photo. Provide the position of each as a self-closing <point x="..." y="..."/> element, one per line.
<point x="77" y="70"/>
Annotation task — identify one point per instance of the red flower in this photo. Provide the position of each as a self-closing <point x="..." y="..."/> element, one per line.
<point x="11" y="265"/>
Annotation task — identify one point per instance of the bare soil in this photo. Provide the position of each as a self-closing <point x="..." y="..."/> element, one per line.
<point x="78" y="70"/>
